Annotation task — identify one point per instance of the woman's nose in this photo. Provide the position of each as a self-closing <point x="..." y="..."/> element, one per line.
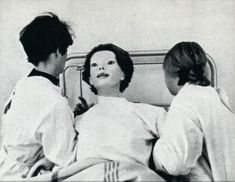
<point x="101" y="68"/>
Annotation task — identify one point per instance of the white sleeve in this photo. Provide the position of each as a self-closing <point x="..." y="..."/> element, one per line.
<point x="180" y="145"/>
<point x="159" y="120"/>
<point x="154" y="116"/>
<point x="57" y="135"/>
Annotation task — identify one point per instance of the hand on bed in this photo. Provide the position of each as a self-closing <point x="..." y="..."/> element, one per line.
<point x="82" y="107"/>
<point x="41" y="167"/>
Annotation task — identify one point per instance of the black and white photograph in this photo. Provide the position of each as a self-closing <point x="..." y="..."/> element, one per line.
<point x="117" y="90"/>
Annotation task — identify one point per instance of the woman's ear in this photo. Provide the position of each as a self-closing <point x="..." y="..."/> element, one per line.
<point x="57" y="53"/>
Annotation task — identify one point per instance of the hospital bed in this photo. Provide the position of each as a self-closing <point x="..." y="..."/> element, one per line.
<point x="147" y="85"/>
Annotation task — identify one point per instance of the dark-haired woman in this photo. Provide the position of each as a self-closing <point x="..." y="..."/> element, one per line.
<point x="37" y="120"/>
<point x="115" y="136"/>
<point x="115" y="129"/>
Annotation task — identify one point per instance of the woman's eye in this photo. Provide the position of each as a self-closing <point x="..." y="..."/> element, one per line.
<point x="93" y="65"/>
<point x="111" y="62"/>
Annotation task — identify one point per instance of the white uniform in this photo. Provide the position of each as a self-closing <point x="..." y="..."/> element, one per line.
<point x="197" y="123"/>
<point x="38" y="123"/>
<point x="118" y="130"/>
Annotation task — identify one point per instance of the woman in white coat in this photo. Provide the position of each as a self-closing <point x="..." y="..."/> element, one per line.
<point x="198" y="138"/>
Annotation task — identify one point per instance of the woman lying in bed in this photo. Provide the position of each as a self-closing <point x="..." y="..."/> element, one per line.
<point x="115" y="136"/>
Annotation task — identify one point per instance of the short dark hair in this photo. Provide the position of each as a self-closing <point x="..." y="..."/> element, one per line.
<point x="123" y="60"/>
<point x="188" y="61"/>
<point x="43" y="36"/>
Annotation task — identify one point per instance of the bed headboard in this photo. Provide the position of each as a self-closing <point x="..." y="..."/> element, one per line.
<point x="147" y="83"/>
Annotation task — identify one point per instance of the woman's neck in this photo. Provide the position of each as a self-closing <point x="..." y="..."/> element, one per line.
<point x="111" y="92"/>
<point x="45" y="67"/>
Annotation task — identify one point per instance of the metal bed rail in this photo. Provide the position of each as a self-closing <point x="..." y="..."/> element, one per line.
<point x="80" y="57"/>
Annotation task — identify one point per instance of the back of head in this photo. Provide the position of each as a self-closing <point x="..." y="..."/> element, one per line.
<point x="43" y="36"/>
<point x="123" y="60"/>
<point x="188" y="61"/>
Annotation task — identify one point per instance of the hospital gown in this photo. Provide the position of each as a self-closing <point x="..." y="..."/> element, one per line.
<point x="199" y="134"/>
<point x="38" y="123"/>
<point x="118" y="130"/>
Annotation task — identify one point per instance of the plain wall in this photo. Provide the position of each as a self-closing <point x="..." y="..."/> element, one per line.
<point x="131" y="24"/>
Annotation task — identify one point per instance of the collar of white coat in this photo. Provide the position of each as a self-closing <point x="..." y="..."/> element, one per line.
<point x="109" y="99"/>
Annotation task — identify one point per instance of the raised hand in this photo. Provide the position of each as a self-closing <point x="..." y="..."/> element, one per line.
<point x="82" y="107"/>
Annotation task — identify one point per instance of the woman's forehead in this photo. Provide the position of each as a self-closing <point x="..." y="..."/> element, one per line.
<point x="102" y="56"/>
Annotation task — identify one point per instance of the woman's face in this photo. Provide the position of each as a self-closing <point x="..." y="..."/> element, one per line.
<point x="171" y="83"/>
<point x="105" y="71"/>
<point x="60" y="63"/>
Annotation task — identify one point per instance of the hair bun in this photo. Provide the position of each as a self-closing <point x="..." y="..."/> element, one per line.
<point x="198" y="70"/>
<point x="183" y="76"/>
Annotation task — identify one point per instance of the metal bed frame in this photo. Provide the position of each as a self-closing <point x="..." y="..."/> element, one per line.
<point x="80" y="57"/>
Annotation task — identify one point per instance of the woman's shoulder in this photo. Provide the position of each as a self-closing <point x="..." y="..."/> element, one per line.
<point x="196" y="91"/>
<point x="194" y="94"/>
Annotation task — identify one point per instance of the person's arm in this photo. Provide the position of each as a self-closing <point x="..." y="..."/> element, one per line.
<point x="67" y="171"/>
<point x="180" y="143"/>
<point x="43" y="165"/>
<point x="57" y="135"/>
<point x="154" y="116"/>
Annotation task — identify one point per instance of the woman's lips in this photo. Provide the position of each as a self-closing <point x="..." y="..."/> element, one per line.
<point x="104" y="75"/>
